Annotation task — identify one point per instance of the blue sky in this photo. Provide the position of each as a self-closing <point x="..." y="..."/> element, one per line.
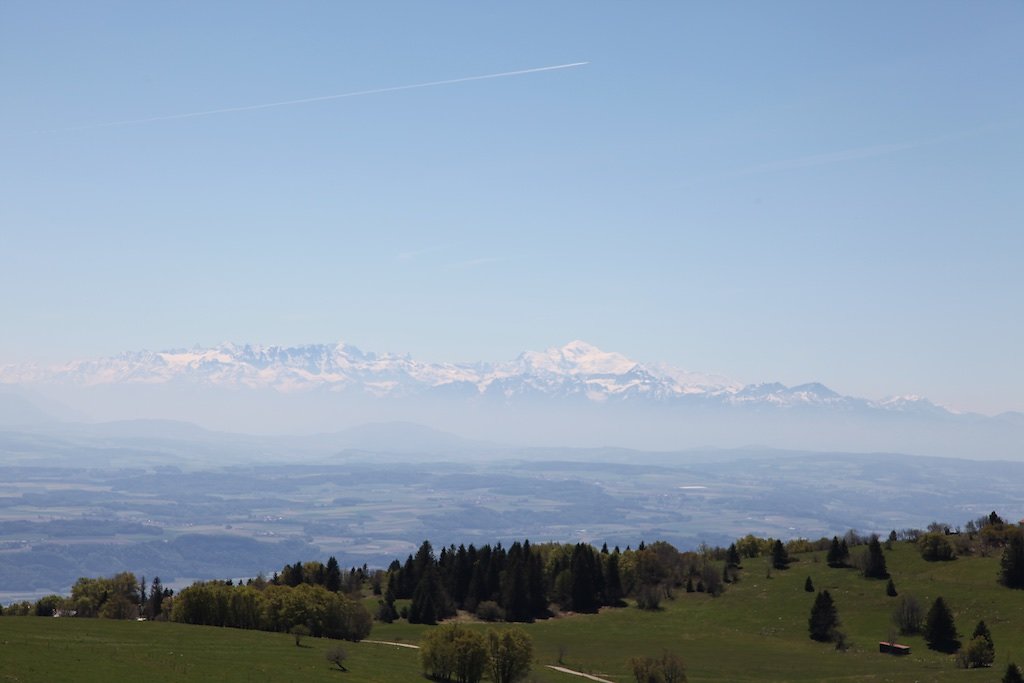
<point x="772" y="191"/>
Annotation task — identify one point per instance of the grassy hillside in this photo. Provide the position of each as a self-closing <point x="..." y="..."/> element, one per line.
<point x="756" y="631"/>
<point x="37" y="649"/>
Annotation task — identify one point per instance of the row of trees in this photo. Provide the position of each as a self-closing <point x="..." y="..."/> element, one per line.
<point x="114" y="597"/>
<point x="273" y="607"/>
<point x="453" y="653"/>
<point x="524" y="581"/>
<point x="668" y="668"/>
<point x="515" y="584"/>
<point x="330" y="576"/>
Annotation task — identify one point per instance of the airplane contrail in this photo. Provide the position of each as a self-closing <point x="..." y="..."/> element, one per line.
<point x="322" y="98"/>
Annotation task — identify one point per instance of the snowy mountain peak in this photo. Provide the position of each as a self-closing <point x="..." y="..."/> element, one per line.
<point x="577" y="358"/>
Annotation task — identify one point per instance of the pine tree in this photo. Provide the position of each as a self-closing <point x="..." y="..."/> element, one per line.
<point x="613" y="581"/>
<point x="461" y="573"/>
<point x="890" y="589"/>
<point x="874" y="568"/>
<point x="939" y="629"/>
<point x="732" y="556"/>
<point x="407" y="579"/>
<point x="981" y="631"/>
<point x="780" y="558"/>
<point x="809" y="585"/>
<point x="427" y="600"/>
<point x="332" y="575"/>
<point x="156" y="597"/>
<point x="1013" y="674"/>
<point x="515" y="598"/>
<point x="824" y="620"/>
<point x="835" y="554"/>
<point x="535" y="579"/>
<point x="584" y="587"/>
<point x="424" y="558"/>
<point x="386" y="611"/>
<point x="980" y="651"/>
<point x="1011" y="565"/>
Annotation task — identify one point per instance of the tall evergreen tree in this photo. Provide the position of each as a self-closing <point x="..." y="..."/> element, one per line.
<point x="535" y="581"/>
<point x="515" y="598"/>
<point x="780" y="558"/>
<point x="462" y="572"/>
<point x="613" y="580"/>
<point x="732" y="556"/>
<point x="429" y="601"/>
<point x="584" y="587"/>
<point x="154" y="603"/>
<point x="824" y="619"/>
<point x="1013" y="674"/>
<point x="494" y="569"/>
<point x="980" y="651"/>
<point x="477" y="590"/>
<point x="332" y="575"/>
<point x="386" y="611"/>
<point x="1011" y="566"/>
<point x="809" y="585"/>
<point x="939" y="629"/>
<point x="838" y="553"/>
<point x="407" y="579"/>
<point x="424" y="559"/>
<point x="981" y="631"/>
<point x="874" y="567"/>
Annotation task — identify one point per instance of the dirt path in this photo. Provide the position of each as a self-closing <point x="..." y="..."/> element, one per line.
<point x="390" y="642"/>
<point x="579" y="673"/>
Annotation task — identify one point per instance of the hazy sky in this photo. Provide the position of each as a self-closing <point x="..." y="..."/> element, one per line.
<point x="773" y="191"/>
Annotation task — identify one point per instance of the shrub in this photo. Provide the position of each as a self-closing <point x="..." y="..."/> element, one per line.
<point x="908" y="615"/>
<point x="935" y="547"/>
<point x="337" y="656"/>
<point x="488" y="610"/>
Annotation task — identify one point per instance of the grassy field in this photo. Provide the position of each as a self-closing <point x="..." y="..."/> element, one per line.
<point x="756" y="631"/>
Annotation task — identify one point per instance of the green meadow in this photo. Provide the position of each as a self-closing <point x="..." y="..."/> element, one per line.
<point x="755" y="631"/>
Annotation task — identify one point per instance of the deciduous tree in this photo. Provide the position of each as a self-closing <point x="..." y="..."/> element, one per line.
<point x="908" y="615"/>
<point x="511" y="652"/>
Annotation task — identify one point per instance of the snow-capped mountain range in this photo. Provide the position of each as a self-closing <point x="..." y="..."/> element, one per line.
<point x="577" y="370"/>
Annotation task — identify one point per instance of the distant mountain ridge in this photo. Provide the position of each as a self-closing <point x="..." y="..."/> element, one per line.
<point x="577" y="370"/>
